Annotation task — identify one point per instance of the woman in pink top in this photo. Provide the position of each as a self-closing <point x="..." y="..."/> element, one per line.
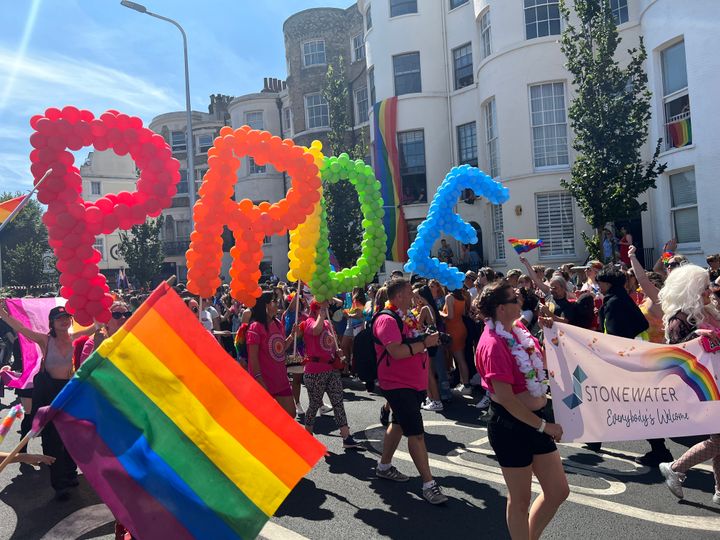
<point x="321" y="374"/>
<point x="510" y="363"/>
<point x="266" y="346"/>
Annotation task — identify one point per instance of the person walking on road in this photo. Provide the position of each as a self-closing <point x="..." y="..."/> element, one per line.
<point x="510" y="363"/>
<point x="402" y="372"/>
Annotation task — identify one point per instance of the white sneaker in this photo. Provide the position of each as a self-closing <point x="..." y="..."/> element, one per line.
<point x="674" y="480"/>
<point x="325" y="408"/>
<point x="716" y="497"/>
<point x="463" y="389"/>
<point x="484" y="403"/>
<point x="430" y="405"/>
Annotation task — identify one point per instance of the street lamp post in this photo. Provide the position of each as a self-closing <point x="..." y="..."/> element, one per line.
<point x="189" y="135"/>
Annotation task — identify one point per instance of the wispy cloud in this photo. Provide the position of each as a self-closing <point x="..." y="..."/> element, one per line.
<point x="70" y="80"/>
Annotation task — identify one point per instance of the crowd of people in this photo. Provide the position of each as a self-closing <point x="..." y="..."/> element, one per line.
<point x="426" y="347"/>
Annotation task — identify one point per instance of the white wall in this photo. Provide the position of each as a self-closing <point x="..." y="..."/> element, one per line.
<point x="696" y="22"/>
<point x="268" y="186"/>
<point x="114" y="174"/>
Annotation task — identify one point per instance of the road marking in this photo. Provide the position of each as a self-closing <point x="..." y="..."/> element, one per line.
<point x="90" y="518"/>
<point x="482" y="472"/>
<point x="273" y="531"/>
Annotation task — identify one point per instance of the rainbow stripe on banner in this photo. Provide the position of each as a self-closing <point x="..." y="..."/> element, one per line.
<point x="680" y="133"/>
<point x="523" y="245"/>
<point x="683" y="364"/>
<point x="177" y="439"/>
<point x="387" y="171"/>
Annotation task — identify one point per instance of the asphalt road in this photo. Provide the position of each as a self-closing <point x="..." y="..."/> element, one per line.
<point x="611" y="496"/>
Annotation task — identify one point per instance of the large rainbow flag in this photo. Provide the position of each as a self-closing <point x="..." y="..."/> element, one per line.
<point x="387" y="171"/>
<point x="7" y="207"/>
<point x="177" y="439"/>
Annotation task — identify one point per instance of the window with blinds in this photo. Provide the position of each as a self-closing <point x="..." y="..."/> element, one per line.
<point x="684" y="208"/>
<point x="555" y="224"/>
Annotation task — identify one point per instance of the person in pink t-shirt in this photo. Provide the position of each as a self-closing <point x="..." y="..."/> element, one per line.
<point x="266" y="346"/>
<point x="402" y="373"/>
<point x="510" y="362"/>
<point x="322" y="375"/>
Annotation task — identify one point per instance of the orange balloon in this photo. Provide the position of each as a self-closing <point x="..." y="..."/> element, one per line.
<point x="249" y="223"/>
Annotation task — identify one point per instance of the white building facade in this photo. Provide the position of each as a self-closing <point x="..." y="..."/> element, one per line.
<point x="173" y="127"/>
<point x="264" y="111"/>
<point x="483" y="82"/>
<point x="105" y="172"/>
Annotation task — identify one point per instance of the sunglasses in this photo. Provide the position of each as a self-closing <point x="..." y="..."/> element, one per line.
<point x="674" y="264"/>
<point x="117" y="315"/>
<point x="194" y="309"/>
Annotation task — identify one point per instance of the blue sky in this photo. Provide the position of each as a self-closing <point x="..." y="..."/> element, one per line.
<point x="98" y="55"/>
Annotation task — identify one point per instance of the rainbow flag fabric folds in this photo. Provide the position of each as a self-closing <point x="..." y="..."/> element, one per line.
<point x="680" y="133"/>
<point x="523" y="245"/>
<point x="177" y="439"/>
<point x="387" y="171"/>
<point x="7" y="207"/>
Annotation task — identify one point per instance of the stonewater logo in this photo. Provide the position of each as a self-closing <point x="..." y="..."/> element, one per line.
<point x="575" y="399"/>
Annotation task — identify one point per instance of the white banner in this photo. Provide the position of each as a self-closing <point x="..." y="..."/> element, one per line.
<point x="606" y="388"/>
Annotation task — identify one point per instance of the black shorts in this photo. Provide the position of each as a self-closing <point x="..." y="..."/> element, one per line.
<point x="514" y="442"/>
<point x="405" y="404"/>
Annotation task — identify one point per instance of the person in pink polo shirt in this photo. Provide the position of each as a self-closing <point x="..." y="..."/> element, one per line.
<point x="266" y="346"/>
<point x="402" y="373"/>
<point x="322" y="375"/>
<point x="510" y="361"/>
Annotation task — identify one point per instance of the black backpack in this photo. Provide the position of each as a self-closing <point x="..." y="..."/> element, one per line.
<point x="366" y="359"/>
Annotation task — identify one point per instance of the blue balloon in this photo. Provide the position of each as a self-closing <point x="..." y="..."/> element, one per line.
<point x="441" y="218"/>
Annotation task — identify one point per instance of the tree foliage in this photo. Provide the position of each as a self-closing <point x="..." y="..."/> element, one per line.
<point x="343" y="206"/>
<point x="142" y="249"/>
<point x="609" y="115"/>
<point x="23" y="243"/>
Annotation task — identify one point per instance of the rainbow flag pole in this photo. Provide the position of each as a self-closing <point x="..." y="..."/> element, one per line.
<point x="175" y="436"/>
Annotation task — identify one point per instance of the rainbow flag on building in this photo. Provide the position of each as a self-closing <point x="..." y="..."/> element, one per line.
<point x="523" y="245"/>
<point x="177" y="439"/>
<point x="680" y="133"/>
<point x="12" y="205"/>
<point x="387" y="171"/>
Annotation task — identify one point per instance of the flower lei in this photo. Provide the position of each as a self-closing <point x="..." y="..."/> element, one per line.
<point x="526" y="355"/>
<point x="409" y="318"/>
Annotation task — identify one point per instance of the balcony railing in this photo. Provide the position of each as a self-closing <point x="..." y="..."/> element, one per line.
<point x="177" y="247"/>
<point x="678" y="131"/>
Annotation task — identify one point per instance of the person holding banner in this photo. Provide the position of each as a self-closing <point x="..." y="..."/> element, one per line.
<point x="56" y="369"/>
<point x="510" y="363"/>
<point x="684" y="298"/>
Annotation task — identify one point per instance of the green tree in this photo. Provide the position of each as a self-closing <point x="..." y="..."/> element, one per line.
<point x="142" y="249"/>
<point x="23" y="264"/>
<point x="23" y="243"/>
<point x="609" y="115"/>
<point x="343" y="207"/>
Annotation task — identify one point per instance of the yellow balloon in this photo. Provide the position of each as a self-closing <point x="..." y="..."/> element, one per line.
<point x="304" y="238"/>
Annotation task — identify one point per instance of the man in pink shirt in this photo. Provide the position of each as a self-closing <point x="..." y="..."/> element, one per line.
<point x="402" y="373"/>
